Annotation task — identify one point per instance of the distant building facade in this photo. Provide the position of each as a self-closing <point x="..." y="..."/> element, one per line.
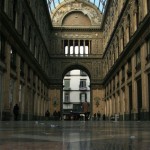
<point x="76" y="90"/>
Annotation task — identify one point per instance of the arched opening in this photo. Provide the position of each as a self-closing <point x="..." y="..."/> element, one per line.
<point x="76" y="91"/>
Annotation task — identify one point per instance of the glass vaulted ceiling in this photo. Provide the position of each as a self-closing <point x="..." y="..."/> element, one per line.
<point x="100" y="4"/>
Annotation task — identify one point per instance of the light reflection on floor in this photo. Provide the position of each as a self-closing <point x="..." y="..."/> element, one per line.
<point x="74" y="135"/>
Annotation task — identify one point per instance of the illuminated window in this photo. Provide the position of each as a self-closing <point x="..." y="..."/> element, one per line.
<point x="76" y="47"/>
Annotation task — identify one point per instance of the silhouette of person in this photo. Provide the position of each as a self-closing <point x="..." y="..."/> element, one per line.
<point x="47" y="114"/>
<point x="104" y="117"/>
<point x="98" y="115"/>
<point x="16" y="112"/>
<point x="55" y="114"/>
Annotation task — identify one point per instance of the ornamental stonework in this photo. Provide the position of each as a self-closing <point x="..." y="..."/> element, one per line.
<point x="93" y="14"/>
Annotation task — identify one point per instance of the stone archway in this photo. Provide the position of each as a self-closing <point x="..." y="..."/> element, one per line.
<point x="96" y="90"/>
<point x="75" y="91"/>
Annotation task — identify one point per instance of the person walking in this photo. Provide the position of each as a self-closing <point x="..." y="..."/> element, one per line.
<point x="85" y="107"/>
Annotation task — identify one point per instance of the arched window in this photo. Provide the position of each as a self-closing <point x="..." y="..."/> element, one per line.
<point x="148" y="5"/>
<point x="137" y="11"/>
<point x="148" y="50"/>
<point x="23" y="26"/>
<point x="114" y="57"/>
<point x="38" y="52"/>
<point x="41" y="55"/>
<point x="117" y="47"/>
<point x="5" y="5"/>
<point x="29" y="38"/>
<point x="22" y="67"/>
<point x="15" y="12"/>
<point x="2" y="5"/>
<point x="2" y="47"/>
<point x="129" y="27"/>
<point x="110" y="59"/>
<point x="122" y="39"/>
<point x="13" y="58"/>
<point x="34" y="49"/>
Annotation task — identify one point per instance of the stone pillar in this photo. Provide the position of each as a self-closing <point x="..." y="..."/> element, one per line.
<point x="40" y="99"/>
<point x="6" y="85"/>
<point x="23" y="99"/>
<point x="17" y="83"/>
<point x="62" y="46"/>
<point x="35" y="104"/>
<point x="38" y="106"/>
<point x="134" y="90"/>
<point x="79" y="47"/>
<point x="55" y="99"/>
<point x="144" y="80"/>
<point x="83" y="47"/>
<point x="68" y="47"/>
<point x="73" y="46"/>
<point x="113" y="104"/>
<point x="90" y="47"/>
<point x="122" y="104"/>
<point x="126" y="96"/>
<point x="97" y="101"/>
<point x="117" y="103"/>
<point x="110" y="106"/>
<point x="144" y="8"/>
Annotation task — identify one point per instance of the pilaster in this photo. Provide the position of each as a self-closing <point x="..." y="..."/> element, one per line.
<point x="6" y="86"/>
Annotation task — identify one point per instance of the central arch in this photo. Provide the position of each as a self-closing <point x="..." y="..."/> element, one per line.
<point x="71" y="101"/>
<point x="75" y="66"/>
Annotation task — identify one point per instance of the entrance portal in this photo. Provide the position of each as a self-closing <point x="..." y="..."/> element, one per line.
<point x="76" y="90"/>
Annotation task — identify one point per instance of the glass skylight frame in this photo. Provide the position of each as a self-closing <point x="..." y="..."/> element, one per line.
<point x="100" y="4"/>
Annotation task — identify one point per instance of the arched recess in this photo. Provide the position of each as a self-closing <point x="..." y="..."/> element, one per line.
<point x="74" y="93"/>
<point x="76" y="18"/>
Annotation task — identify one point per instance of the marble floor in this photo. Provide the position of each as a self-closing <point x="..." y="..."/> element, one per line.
<point x="74" y="135"/>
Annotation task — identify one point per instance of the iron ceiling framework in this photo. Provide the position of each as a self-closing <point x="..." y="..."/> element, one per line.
<point x="100" y="4"/>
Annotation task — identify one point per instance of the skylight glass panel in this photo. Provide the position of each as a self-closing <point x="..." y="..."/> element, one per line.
<point x="100" y="4"/>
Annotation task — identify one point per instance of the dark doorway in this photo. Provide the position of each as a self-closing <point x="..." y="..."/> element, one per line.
<point x="130" y="100"/>
<point x="139" y="97"/>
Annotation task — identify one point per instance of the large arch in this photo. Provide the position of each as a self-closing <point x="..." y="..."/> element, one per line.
<point x="74" y="93"/>
<point x="96" y="88"/>
<point x="76" y="66"/>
